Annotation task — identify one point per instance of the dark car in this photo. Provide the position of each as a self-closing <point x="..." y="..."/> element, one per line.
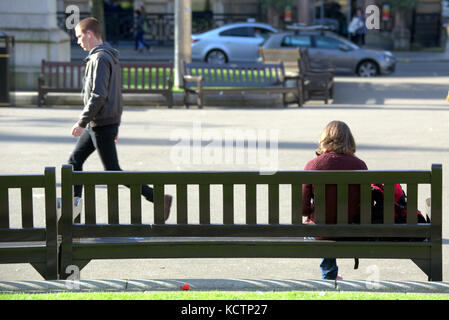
<point x="342" y="54"/>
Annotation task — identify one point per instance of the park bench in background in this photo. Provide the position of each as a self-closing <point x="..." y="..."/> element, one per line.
<point x="29" y="244"/>
<point x="148" y="78"/>
<point x="316" y="81"/>
<point x="318" y="67"/>
<point x="205" y="78"/>
<point x="289" y="57"/>
<point x="262" y="234"/>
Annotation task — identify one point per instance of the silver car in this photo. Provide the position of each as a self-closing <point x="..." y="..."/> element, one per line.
<point x="237" y="42"/>
<point x="328" y="48"/>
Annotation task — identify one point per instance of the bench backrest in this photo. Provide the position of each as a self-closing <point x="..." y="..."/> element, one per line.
<point x="26" y="184"/>
<point x="290" y="58"/>
<point x="135" y="77"/>
<point x="28" y="232"/>
<point x="254" y="223"/>
<point x="236" y="75"/>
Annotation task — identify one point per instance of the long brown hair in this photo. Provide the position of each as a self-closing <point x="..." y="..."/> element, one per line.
<point x="336" y="137"/>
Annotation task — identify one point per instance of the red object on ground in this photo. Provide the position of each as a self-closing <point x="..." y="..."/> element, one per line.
<point x="185" y="287"/>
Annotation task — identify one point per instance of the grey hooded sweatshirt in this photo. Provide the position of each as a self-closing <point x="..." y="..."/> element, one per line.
<point x="102" y="92"/>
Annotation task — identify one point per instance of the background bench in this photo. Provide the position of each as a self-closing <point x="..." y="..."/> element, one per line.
<point x="63" y="77"/>
<point x="29" y="244"/>
<point x="205" y="78"/>
<point x="315" y="82"/>
<point x="271" y="234"/>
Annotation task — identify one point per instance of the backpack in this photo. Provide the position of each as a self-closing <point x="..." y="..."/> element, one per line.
<point x="400" y="208"/>
<point x="400" y="205"/>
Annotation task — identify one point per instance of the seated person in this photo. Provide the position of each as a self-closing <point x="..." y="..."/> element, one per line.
<point x="336" y="149"/>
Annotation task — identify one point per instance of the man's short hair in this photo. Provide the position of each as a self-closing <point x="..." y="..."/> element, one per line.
<point x="91" y="24"/>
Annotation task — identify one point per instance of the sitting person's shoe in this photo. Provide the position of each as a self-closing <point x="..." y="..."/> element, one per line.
<point x="167" y="206"/>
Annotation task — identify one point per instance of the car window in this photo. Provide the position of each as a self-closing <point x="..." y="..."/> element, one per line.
<point x="238" y="32"/>
<point x="324" y="42"/>
<point x="258" y="32"/>
<point x="296" y="41"/>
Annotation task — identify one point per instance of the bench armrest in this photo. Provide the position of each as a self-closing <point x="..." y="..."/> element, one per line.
<point x="320" y="75"/>
<point x="193" y="79"/>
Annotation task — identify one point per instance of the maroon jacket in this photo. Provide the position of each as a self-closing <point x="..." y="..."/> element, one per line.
<point x="334" y="161"/>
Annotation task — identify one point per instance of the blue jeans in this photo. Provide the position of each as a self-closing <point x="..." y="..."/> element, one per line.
<point x="329" y="269"/>
<point x="140" y="42"/>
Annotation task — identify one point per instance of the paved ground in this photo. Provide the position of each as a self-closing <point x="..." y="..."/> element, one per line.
<point x="399" y="122"/>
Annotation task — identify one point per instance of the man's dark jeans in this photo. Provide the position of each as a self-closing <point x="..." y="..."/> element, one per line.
<point x="102" y="140"/>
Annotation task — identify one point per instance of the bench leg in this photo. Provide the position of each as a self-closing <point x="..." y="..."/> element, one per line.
<point x="284" y="100"/>
<point x="40" y="99"/>
<point x="300" y="93"/>
<point x="186" y="99"/>
<point x="169" y="97"/>
<point x="200" y="100"/>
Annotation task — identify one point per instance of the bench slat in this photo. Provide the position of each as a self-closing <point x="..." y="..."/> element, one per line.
<point x="89" y="205"/>
<point x="22" y="235"/>
<point x="342" y="203"/>
<point x="365" y="203"/>
<point x="273" y="204"/>
<point x="248" y="248"/>
<point x="281" y="177"/>
<point x="204" y="203"/>
<point x="296" y="203"/>
<point x="27" y="207"/>
<point x="319" y="203"/>
<point x="181" y="204"/>
<point x="4" y="207"/>
<point x="113" y="209"/>
<point x="228" y="204"/>
<point x="389" y="203"/>
<point x="80" y="78"/>
<point x="412" y="203"/>
<point x="136" y="204"/>
<point x="159" y="204"/>
<point x="246" y="230"/>
<point x="251" y="203"/>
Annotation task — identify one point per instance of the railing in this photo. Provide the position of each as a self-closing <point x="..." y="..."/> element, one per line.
<point x="162" y="25"/>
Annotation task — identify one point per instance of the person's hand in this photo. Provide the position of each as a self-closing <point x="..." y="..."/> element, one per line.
<point x="116" y="139"/>
<point x="77" y="130"/>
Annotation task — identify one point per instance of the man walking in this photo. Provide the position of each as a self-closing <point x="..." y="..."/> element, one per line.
<point x="100" y="119"/>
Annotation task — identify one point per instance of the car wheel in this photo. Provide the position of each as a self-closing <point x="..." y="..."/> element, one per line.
<point x="216" y="57"/>
<point x="367" y="69"/>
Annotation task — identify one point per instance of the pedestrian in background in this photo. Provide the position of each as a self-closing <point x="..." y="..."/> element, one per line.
<point x="357" y="28"/>
<point x="97" y="127"/>
<point x="139" y="32"/>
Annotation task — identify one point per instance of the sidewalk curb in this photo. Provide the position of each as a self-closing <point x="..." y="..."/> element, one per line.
<point x="128" y="285"/>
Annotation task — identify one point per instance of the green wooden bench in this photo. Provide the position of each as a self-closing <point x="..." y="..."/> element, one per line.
<point x="149" y="78"/>
<point x="29" y="244"/>
<point x="261" y="235"/>
<point x="202" y="79"/>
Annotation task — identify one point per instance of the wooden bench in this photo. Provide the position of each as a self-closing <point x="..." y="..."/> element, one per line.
<point x="290" y="59"/>
<point x="29" y="244"/>
<point x="254" y="233"/>
<point x="315" y="83"/>
<point x="204" y="78"/>
<point x="64" y="77"/>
